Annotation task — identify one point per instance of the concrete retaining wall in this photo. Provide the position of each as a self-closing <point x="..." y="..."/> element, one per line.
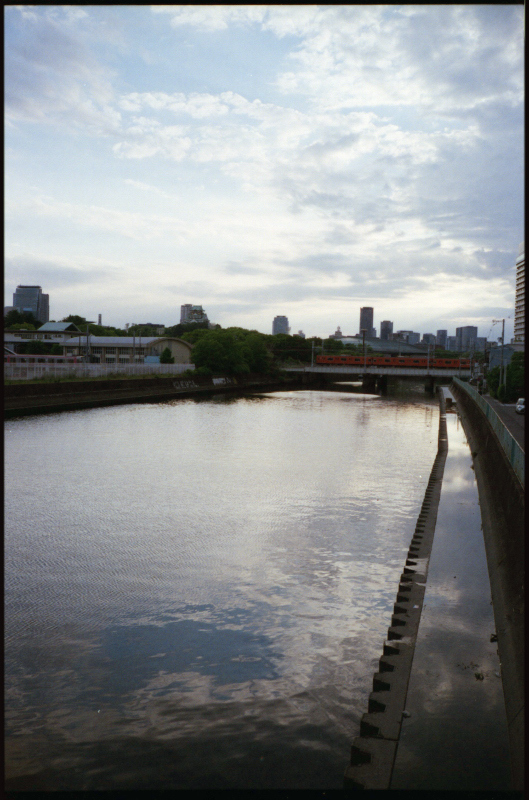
<point x="502" y="501"/>
<point x="42" y="398"/>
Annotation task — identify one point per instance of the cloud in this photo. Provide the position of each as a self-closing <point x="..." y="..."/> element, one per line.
<point x="53" y="274"/>
<point x="51" y="75"/>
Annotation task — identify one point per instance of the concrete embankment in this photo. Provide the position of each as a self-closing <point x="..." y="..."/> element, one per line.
<point x="373" y="751"/>
<point x="42" y="398"/>
<point x="502" y="501"/>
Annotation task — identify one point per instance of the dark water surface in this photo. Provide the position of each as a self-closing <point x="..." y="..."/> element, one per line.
<point x="197" y="592"/>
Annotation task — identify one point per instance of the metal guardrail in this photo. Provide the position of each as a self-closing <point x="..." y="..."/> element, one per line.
<point x="32" y="371"/>
<point x="510" y="446"/>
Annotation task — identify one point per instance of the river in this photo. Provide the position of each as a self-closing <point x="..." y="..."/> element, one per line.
<point x="197" y="592"/>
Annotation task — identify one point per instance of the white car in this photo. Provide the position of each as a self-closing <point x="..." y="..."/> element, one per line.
<point x="520" y="406"/>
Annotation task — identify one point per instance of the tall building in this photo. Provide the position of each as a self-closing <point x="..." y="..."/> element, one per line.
<point x="184" y="311"/>
<point x="440" y="338"/>
<point x="519" y="303"/>
<point x="280" y="325"/>
<point x="451" y="343"/>
<point x="30" y="298"/>
<point x="366" y="321"/>
<point x="411" y="337"/>
<point x="386" y="330"/>
<point x="428" y="338"/>
<point x="466" y="338"/>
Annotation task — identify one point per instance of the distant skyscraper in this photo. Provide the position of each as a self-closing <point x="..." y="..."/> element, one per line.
<point x="440" y="338"/>
<point x="428" y="338"/>
<point x="386" y="330"/>
<point x="30" y="298"/>
<point x="519" y="307"/>
<point x="366" y="320"/>
<point x="451" y="343"/>
<point x="280" y="325"/>
<point x="184" y="312"/>
<point x="466" y="337"/>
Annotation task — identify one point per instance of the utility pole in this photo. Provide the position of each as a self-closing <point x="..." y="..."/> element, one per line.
<point x="312" y="357"/>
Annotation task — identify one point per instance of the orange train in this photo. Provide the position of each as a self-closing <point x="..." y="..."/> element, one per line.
<point x="395" y="361"/>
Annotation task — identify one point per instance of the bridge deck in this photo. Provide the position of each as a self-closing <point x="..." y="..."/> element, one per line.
<point x="339" y="369"/>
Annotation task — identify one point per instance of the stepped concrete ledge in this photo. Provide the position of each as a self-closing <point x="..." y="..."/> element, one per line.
<point x="373" y="751"/>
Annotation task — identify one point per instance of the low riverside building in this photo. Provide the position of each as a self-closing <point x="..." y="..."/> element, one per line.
<point x="126" y="349"/>
<point x="50" y="333"/>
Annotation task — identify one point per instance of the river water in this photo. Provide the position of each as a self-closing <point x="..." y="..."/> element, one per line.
<point x="197" y="592"/>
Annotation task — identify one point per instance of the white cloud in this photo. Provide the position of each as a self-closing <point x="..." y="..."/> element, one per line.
<point x="378" y="145"/>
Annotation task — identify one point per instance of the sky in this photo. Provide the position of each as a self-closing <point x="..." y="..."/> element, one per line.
<point x="267" y="160"/>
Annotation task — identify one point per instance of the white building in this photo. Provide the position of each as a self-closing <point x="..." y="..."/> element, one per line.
<point x="519" y="303"/>
<point x="126" y="349"/>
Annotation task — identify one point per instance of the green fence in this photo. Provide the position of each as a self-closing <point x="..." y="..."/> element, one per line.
<point x="512" y="449"/>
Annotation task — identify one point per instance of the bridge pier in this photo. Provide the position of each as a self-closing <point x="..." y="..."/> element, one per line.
<point x="429" y="385"/>
<point x="369" y="384"/>
<point x="382" y="384"/>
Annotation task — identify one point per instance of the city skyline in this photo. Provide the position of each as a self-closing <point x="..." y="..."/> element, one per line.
<point x="249" y="159"/>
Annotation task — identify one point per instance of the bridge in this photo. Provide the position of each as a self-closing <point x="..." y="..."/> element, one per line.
<point x="405" y="372"/>
<point x="376" y="377"/>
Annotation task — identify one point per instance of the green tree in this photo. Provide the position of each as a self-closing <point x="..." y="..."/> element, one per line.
<point x="515" y="378"/>
<point x="23" y="326"/>
<point x="56" y="350"/>
<point x="179" y="330"/>
<point x="493" y="381"/>
<point x="76" y="319"/>
<point x="193" y="336"/>
<point x="332" y="346"/>
<point x="166" y="357"/>
<point x="256" y="353"/>
<point x="36" y="347"/>
<point x="220" y="352"/>
<point x="16" y="318"/>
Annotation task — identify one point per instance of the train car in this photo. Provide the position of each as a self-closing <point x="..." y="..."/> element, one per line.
<point x="415" y="361"/>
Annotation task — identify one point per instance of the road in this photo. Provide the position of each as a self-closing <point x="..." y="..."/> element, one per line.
<point x="514" y="422"/>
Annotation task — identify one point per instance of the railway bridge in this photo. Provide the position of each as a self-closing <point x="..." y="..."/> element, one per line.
<point x="375" y="378"/>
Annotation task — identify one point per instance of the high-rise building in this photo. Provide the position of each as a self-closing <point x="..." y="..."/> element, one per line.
<point x="519" y="303"/>
<point x="31" y="299"/>
<point x="184" y="311"/>
<point x="366" y="321"/>
<point x="440" y="338"/>
<point x="466" y="338"/>
<point x="411" y="337"/>
<point x="428" y="338"/>
<point x="451" y="343"/>
<point x="386" y="330"/>
<point x="280" y="325"/>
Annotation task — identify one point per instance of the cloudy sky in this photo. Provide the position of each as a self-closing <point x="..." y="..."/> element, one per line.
<point x="265" y="160"/>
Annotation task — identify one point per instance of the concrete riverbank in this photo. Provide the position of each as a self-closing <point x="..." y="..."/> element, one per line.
<point x="373" y="751"/>
<point x="23" y="399"/>
<point x="502" y="501"/>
